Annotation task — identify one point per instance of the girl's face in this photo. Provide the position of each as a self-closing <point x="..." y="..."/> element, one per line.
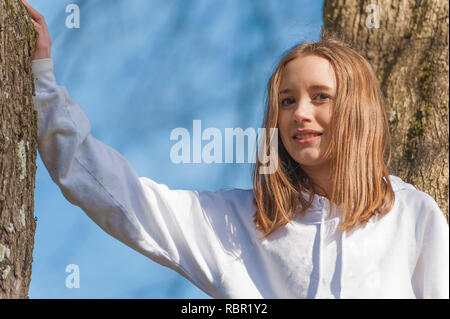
<point x="306" y="91"/>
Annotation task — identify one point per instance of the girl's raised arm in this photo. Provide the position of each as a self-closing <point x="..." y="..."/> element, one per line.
<point x="172" y="227"/>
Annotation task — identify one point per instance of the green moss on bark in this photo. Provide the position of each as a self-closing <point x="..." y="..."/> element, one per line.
<point x="425" y="91"/>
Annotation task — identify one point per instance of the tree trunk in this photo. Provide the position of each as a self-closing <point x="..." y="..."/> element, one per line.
<point x="18" y="143"/>
<point x="409" y="53"/>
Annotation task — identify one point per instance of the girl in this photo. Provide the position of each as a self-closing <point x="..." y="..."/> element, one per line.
<point x="328" y="223"/>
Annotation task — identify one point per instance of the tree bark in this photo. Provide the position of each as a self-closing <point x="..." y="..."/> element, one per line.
<point x="409" y="53"/>
<point x="18" y="143"/>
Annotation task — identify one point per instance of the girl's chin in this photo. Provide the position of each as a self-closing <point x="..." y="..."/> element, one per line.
<point x="306" y="159"/>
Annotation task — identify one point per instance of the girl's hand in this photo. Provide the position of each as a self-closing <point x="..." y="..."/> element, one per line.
<point x="43" y="43"/>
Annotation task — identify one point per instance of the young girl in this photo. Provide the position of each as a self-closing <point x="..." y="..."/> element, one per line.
<point x="328" y="223"/>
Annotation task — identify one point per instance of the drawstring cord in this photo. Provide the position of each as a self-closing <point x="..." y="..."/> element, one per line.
<point x="344" y="235"/>
<point x="322" y="220"/>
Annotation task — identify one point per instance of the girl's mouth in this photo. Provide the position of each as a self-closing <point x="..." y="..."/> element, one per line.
<point x="306" y="138"/>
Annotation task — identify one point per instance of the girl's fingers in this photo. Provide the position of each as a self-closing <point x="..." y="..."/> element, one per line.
<point x="34" y="14"/>
<point x="36" y="25"/>
<point x="43" y="43"/>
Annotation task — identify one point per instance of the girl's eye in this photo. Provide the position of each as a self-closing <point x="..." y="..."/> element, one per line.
<point x="287" y="101"/>
<point x="322" y="96"/>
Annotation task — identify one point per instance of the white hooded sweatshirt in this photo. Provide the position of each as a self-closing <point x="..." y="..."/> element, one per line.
<point x="210" y="237"/>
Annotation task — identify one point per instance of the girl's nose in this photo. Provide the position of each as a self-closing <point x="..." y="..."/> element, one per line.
<point x="303" y="112"/>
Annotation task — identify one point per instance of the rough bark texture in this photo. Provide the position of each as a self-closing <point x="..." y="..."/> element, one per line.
<point x="18" y="143"/>
<point x="409" y="53"/>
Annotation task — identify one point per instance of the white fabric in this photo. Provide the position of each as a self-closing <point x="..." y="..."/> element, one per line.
<point x="210" y="238"/>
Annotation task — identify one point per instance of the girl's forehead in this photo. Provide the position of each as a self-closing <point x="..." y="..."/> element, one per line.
<point x="308" y="70"/>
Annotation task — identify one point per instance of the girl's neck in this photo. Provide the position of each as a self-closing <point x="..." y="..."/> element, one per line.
<point x="321" y="179"/>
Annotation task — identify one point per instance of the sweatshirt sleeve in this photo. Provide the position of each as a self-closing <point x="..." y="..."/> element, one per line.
<point x="431" y="275"/>
<point x="168" y="226"/>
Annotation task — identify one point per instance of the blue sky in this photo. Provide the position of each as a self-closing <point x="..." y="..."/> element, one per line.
<point x="139" y="69"/>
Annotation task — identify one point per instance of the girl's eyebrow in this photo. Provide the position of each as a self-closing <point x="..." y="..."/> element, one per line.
<point x="320" y="87"/>
<point x="314" y="87"/>
<point x="285" y="91"/>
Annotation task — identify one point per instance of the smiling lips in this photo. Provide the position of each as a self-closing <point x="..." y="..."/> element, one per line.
<point x="306" y="136"/>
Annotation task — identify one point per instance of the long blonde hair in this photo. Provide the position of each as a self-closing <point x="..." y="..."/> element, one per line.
<point x="359" y="142"/>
